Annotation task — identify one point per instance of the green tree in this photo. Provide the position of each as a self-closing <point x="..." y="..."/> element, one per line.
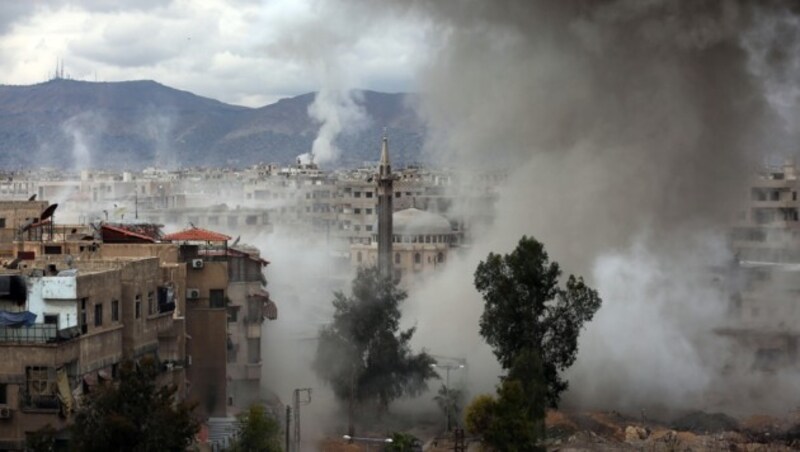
<point x="363" y="354"/>
<point x="505" y="423"/>
<point x="512" y="428"/>
<point x="257" y="432"/>
<point x="133" y="415"/>
<point x="527" y="312"/>
<point x="401" y="442"/>
<point x="42" y="440"/>
<point x="478" y="414"/>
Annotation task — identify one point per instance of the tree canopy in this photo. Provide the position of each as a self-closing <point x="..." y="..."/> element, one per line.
<point x="526" y="311"/>
<point x="133" y="415"/>
<point x="257" y="432"/>
<point x="363" y="349"/>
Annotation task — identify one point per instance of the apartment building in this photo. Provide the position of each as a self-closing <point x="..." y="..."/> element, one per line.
<point x="67" y="326"/>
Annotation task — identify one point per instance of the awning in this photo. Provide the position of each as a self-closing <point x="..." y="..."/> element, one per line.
<point x="24" y="318"/>
<point x="270" y="310"/>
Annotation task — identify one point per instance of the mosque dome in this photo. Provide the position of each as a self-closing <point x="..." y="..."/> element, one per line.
<point x="413" y="221"/>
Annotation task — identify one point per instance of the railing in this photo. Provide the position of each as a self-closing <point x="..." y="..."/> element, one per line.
<point x="36" y="334"/>
<point x="39" y="402"/>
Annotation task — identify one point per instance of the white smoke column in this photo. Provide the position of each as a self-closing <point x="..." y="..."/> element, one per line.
<point x="75" y="128"/>
<point x="335" y="108"/>
<point x="325" y="40"/>
<point x="301" y="281"/>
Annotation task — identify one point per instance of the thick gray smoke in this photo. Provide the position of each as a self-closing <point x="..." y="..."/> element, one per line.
<point x="631" y="127"/>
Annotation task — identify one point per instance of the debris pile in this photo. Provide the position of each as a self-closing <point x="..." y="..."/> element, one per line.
<point x="609" y="431"/>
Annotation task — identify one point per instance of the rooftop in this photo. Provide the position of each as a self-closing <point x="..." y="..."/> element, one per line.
<point x="195" y="234"/>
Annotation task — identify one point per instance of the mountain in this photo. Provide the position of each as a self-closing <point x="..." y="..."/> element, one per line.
<point x="75" y="124"/>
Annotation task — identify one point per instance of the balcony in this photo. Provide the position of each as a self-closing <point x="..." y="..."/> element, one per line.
<point x="252" y="371"/>
<point x="34" y="334"/>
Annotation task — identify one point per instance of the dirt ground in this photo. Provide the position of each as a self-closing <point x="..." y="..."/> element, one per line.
<point x="612" y="431"/>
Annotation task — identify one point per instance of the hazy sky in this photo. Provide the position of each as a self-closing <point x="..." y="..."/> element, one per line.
<point x="248" y="52"/>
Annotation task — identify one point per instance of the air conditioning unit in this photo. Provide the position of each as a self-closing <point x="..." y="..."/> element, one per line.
<point x="197" y="263"/>
<point x="192" y="294"/>
<point x="5" y="412"/>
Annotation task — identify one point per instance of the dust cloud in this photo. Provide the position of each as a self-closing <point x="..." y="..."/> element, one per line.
<point x="630" y="128"/>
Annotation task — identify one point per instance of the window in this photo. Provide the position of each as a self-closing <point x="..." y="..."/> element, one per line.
<point x="369" y="194"/>
<point x="356" y="210"/>
<point x="369" y="211"/>
<point x="396" y="258"/>
<point x="397" y="194"/>
<point x="137" y="307"/>
<point x="52" y="249"/>
<point x="115" y="310"/>
<point x="357" y="194"/>
<point x="233" y="221"/>
<point x="82" y="320"/>
<point x="40" y="383"/>
<point x="216" y="298"/>
<point x="254" y="350"/>
<point x="3" y="394"/>
<point x="358" y="256"/>
<point x="440" y="257"/>
<point x="251" y="219"/>
<point x="213" y="221"/>
<point x="2" y="222"/>
<point x="98" y="314"/>
<point x="417" y="258"/>
<point x="368" y="227"/>
<point x="51" y="319"/>
<point x="233" y="314"/>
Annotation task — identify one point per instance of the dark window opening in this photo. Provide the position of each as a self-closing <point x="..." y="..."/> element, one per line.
<point x="98" y="314"/>
<point x="216" y="298"/>
<point x="115" y="311"/>
<point x="52" y="249"/>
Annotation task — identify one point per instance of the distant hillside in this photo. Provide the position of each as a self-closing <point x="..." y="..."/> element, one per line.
<point x="72" y="124"/>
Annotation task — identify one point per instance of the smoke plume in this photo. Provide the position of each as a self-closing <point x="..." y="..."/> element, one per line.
<point x="631" y="128"/>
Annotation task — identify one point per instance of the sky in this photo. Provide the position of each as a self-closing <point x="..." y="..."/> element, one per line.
<point x="244" y="52"/>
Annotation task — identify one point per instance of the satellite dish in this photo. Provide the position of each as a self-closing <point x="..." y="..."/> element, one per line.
<point x="32" y="198"/>
<point x="48" y="212"/>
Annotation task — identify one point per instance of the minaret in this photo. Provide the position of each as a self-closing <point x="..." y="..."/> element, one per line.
<point x="385" y="191"/>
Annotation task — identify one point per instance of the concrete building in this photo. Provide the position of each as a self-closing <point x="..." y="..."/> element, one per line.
<point x="421" y="244"/>
<point x="764" y="279"/>
<point x="81" y="318"/>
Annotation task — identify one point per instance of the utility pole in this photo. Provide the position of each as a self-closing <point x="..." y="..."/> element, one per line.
<point x="297" y="402"/>
<point x="459" y="442"/>
<point x="288" y="425"/>
<point x="447" y="368"/>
